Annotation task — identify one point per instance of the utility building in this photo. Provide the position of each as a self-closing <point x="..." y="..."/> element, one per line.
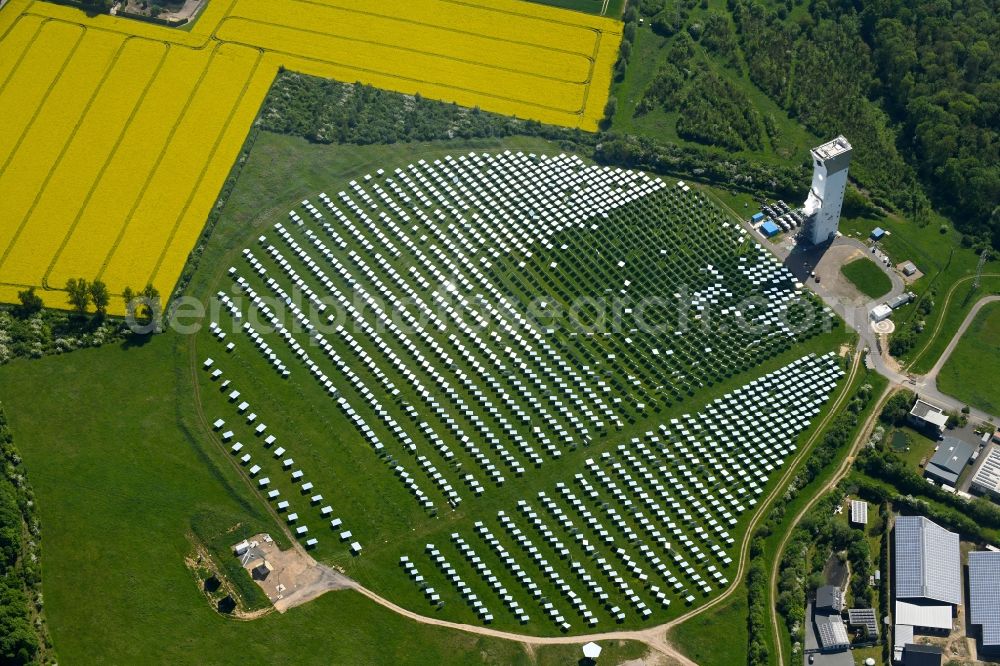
<point x="826" y="195"/>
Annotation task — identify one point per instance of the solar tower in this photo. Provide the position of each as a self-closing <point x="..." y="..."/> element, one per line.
<point x="826" y="195"/>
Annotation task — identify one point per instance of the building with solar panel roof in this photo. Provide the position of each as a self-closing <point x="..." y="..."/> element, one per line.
<point x="984" y="598"/>
<point x="928" y="573"/>
<point x="928" y="566"/>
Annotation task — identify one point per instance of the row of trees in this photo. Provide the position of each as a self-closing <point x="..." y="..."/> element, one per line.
<point x="890" y="477"/>
<point x="142" y="305"/>
<point x="325" y="111"/>
<point x="23" y="633"/>
<point x="836" y="436"/>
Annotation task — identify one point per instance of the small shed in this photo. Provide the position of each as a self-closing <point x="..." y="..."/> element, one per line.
<point x="769" y="228"/>
<point x="261" y="571"/>
<point x="909" y="268"/>
<point x="757" y="217"/>
<point x="877" y="233"/>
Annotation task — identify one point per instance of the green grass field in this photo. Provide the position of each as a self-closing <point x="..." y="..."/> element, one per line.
<point x="921" y="447"/>
<point x="118" y="477"/>
<point x="717" y="637"/>
<point x="141" y="461"/>
<point x="970" y="372"/>
<point x="388" y="509"/>
<point x="867" y="277"/>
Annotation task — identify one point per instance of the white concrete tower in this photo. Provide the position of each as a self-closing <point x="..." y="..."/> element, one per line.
<point x="826" y="196"/>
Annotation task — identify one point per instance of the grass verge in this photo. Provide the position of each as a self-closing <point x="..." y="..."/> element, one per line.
<point x="867" y="277"/>
<point x="970" y="372"/>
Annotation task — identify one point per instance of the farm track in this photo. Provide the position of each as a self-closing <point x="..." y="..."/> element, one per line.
<point x="564" y="54"/>
<point x="654" y="637"/>
<point x="842" y="471"/>
<point x="207" y="431"/>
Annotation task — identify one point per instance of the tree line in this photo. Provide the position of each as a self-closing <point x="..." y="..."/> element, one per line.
<point x="24" y="635"/>
<point x="837" y="435"/>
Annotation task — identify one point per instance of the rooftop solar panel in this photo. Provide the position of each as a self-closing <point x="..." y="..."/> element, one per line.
<point x="984" y="594"/>
<point x="864" y="617"/>
<point x="927" y="561"/>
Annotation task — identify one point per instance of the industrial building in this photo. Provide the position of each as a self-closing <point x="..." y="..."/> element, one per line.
<point x="859" y="512"/>
<point x="987" y="478"/>
<point x="864" y="617"/>
<point x="901" y="300"/>
<point x="928" y="577"/>
<point x="949" y="461"/>
<point x="881" y="312"/>
<point x="826" y="194"/>
<point x="916" y="654"/>
<point x="927" y="417"/>
<point x="831" y="632"/>
<point x="984" y="598"/>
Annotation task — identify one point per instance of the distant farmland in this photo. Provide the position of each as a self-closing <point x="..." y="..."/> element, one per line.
<point x="118" y="135"/>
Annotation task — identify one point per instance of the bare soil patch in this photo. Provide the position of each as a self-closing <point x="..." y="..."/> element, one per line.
<point x="828" y="270"/>
<point x="290" y="577"/>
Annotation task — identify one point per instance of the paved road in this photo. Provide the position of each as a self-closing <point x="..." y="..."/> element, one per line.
<point x="801" y="262"/>
<point x="932" y="375"/>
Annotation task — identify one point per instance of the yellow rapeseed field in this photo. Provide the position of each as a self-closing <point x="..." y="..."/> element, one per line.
<point x="118" y="135"/>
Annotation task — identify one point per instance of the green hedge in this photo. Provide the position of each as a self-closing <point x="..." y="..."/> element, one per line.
<point x="23" y="632"/>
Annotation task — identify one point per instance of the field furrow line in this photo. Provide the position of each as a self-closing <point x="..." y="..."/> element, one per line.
<point x="41" y="104"/>
<point x="104" y="166"/>
<point x="423" y="52"/>
<point x="204" y="169"/>
<point x="156" y="164"/>
<point x="354" y="9"/>
<point x="24" y="52"/>
<point x="62" y="152"/>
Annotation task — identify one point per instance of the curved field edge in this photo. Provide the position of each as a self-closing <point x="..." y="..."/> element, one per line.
<point x="119" y="481"/>
<point x="692" y="637"/>
<point x="970" y="372"/>
<point x="268" y="186"/>
<point x="121" y="471"/>
<point x="867" y="277"/>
